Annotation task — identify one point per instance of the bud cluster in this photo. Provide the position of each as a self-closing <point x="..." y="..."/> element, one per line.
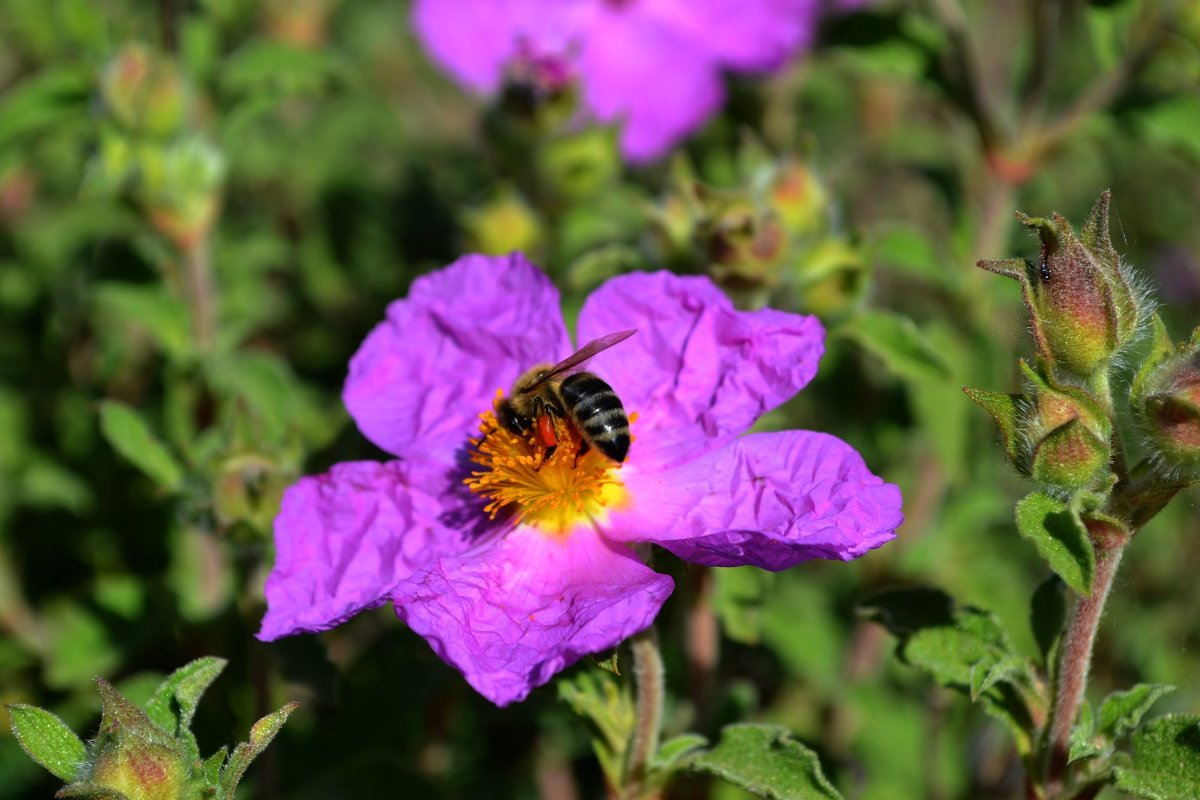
<point x="150" y="148"/>
<point x="144" y="754"/>
<point x="767" y="239"/>
<point x="1084" y="313"/>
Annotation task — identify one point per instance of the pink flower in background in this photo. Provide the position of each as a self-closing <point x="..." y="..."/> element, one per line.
<point x="652" y="65"/>
<point x="511" y="599"/>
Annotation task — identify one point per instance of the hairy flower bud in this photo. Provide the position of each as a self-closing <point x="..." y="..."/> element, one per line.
<point x="1082" y="308"/>
<point x="1166" y="397"/>
<point x="1068" y="433"/>
<point x="133" y="755"/>
<point x="1056" y="435"/>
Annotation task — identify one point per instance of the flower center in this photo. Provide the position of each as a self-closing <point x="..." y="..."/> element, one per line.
<point x="553" y="494"/>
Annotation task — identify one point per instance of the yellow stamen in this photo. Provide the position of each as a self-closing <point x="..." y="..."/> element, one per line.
<point x="553" y="495"/>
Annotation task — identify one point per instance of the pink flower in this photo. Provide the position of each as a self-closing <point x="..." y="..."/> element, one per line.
<point x="513" y="597"/>
<point x="653" y="65"/>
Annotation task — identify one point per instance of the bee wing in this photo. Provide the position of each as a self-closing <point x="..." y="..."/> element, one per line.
<point x="581" y="355"/>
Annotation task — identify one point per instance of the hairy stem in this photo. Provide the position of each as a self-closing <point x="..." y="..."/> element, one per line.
<point x="648" y="675"/>
<point x="1075" y="658"/>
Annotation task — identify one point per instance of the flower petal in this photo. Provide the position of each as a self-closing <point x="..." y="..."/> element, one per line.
<point x="513" y="612"/>
<point x="769" y="500"/>
<point x="747" y="35"/>
<point x="420" y="379"/>
<point x="474" y="40"/>
<point x="645" y="74"/>
<point x="698" y="372"/>
<point x="343" y="540"/>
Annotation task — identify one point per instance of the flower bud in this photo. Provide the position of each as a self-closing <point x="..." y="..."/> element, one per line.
<point x="1082" y="308"/>
<point x="1068" y="434"/>
<point x="179" y="185"/>
<point x="145" y="92"/>
<point x="505" y="224"/>
<point x="798" y="197"/>
<point x="133" y="755"/>
<point x="1057" y="435"/>
<point x="1167" y="400"/>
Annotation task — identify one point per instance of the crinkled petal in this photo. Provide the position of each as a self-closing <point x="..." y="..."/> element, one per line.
<point x="768" y="500"/>
<point x="747" y="35"/>
<point x="698" y="372"/>
<point x="658" y="83"/>
<point x="513" y="612"/>
<point x="421" y="378"/>
<point x="343" y="539"/>
<point x="474" y="40"/>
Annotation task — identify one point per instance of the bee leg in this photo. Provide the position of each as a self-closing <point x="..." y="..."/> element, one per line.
<point x="546" y="457"/>
<point x="584" y="447"/>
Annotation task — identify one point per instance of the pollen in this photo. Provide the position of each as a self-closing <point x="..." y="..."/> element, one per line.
<point x="552" y="494"/>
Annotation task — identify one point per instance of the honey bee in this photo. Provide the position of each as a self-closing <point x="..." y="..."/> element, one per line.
<point x="543" y="396"/>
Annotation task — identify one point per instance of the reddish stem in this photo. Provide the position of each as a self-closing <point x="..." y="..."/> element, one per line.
<point x="1076" y="656"/>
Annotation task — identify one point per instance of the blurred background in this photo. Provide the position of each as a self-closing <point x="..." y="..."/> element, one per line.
<point x="205" y="206"/>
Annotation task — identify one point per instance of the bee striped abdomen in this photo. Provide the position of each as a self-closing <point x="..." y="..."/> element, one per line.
<point x="597" y="413"/>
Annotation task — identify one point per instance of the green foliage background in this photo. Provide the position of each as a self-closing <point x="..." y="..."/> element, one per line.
<point x="140" y="468"/>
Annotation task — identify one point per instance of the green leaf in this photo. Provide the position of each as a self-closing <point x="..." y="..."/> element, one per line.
<point x="42" y="103"/>
<point x="598" y="698"/>
<point x="1083" y="742"/>
<point x="1005" y="410"/>
<point x="900" y="344"/>
<point x="131" y="436"/>
<point x="1161" y="349"/>
<point x="260" y="736"/>
<point x="1048" y="614"/>
<point x="1166" y="760"/>
<point x="963" y="648"/>
<point x="47" y="740"/>
<point x="173" y="703"/>
<point x="766" y="761"/>
<point x="121" y="720"/>
<point x="211" y="768"/>
<point x="673" y="751"/>
<point x="910" y="249"/>
<point x="1060" y="538"/>
<point x="1121" y="712"/>
<point x="738" y="597"/>
<point x="264" y="67"/>
<point x="162" y="315"/>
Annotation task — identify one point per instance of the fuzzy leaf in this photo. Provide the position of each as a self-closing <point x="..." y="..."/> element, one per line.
<point x="121" y="719"/>
<point x="174" y="701"/>
<point x="1083" y="736"/>
<point x="1161" y="349"/>
<point x="766" y="761"/>
<point x="673" y="751"/>
<point x="1166" y="760"/>
<point x="1004" y="409"/>
<point x="131" y="436"/>
<point x="900" y="344"/>
<point x="1047" y="615"/>
<point x="1121" y="712"/>
<point x="260" y="736"/>
<point x="47" y="740"/>
<point x="1059" y="537"/>
<point x="211" y="768"/>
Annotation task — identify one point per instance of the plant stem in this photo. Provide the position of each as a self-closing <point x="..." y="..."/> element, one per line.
<point x="1076" y="655"/>
<point x="648" y="676"/>
<point x="201" y="291"/>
